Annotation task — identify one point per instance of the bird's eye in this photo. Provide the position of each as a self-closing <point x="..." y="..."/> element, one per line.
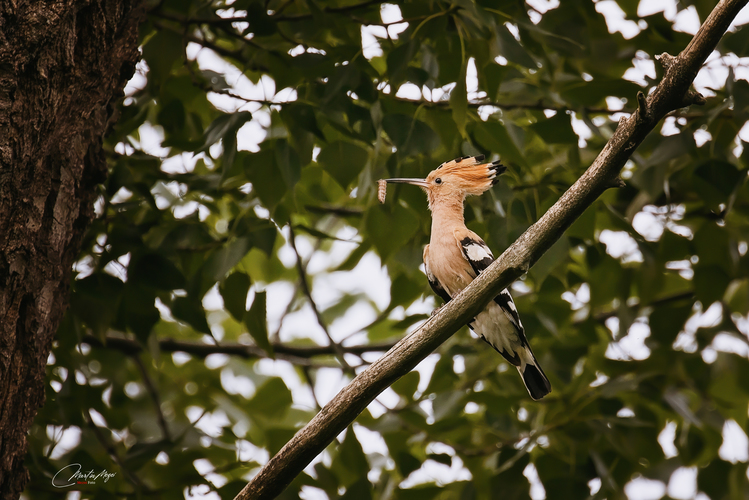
<point x="438" y="181"/>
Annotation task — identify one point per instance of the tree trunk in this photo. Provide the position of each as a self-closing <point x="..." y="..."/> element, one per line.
<point x="63" y="66"/>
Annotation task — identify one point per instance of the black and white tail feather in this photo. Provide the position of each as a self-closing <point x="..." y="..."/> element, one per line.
<point x="504" y="331"/>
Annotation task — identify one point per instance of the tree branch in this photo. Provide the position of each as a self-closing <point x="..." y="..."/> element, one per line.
<point x="326" y="10"/>
<point x="516" y="260"/>
<point x="112" y="452"/>
<point x="308" y="293"/>
<point x="293" y="354"/>
<point x="155" y="397"/>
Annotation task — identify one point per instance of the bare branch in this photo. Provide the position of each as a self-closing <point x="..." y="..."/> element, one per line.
<point x="294" y="354"/>
<point x="110" y="449"/>
<point x="354" y="398"/>
<point x="308" y="293"/>
<point x="327" y="10"/>
<point x="339" y="210"/>
<point x="154" y="396"/>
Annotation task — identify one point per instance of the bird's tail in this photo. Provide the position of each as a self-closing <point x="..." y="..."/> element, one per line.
<point x="533" y="376"/>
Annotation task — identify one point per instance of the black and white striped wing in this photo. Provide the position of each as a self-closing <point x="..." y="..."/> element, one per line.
<point x="480" y="257"/>
<point x="512" y="345"/>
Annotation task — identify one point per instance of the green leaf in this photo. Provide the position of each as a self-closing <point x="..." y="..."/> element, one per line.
<point x="156" y="271"/>
<point x="511" y="48"/>
<point x="225" y="128"/>
<point x="715" y="180"/>
<point x="406" y="385"/>
<point x="138" y="312"/>
<point x="162" y="52"/>
<point x="261" y="232"/>
<point x="191" y="312"/>
<point x="224" y="259"/>
<point x="261" y="24"/>
<point x="556" y="130"/>
<point x="441" y="458"/>
<point x="257" y="325"/>
<point x="409" y="135"/>
<point x="142" y="453"/>
<point x="96" y="301"/>
<point x="494" y="137"/>
<point x="234" y="291"/>
<point x="264" y="174"/>
<point x="667" y="320"/>
<point x="344" y="161"/>
<point x="550" y="260"/>
<point x="406" y="463"/>
<point x="398" y="60"/>
<point x="390" y="229"/>
<point x="710" y="283"/>
<point x="459" y="100"/>
<point x="272" y="400"/>
<point x="351" y="463"/>
<point x="737" y="42"/>
<point x="302" y="116"/>
<point x="362" y="489"/>
<point x="288" y="163"/>
<point x="737" y="296"/>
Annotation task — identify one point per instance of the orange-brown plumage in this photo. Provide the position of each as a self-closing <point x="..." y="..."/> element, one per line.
<point x="455" y="255"/>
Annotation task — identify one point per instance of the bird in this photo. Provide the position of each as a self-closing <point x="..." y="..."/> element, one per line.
<point x="455" y="255"/>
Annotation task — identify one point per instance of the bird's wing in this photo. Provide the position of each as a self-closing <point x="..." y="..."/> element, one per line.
<point x="433" y="281"/>
<point x="476" y="252"/>
<point x="480" y="257"/>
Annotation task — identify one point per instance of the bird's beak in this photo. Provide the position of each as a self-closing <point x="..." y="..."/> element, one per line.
<point x="416" y="182"/>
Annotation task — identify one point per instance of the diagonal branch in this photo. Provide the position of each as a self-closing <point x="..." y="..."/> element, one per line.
<point x="670" y="94"/>
<point x="155" y="397"/>
<point x="112" y="451"/>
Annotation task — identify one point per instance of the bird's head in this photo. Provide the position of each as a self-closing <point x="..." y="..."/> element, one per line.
<point x="454" y="180"/>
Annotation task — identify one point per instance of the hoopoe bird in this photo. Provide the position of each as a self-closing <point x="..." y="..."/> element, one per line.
<point x="455" y="255"/>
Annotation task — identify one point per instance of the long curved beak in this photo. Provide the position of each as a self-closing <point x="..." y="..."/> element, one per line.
<point x="416" y="182"/>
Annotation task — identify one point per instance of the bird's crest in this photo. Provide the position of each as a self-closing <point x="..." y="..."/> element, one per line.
<point x="472" y="176"/>
<point x="453" y="180"/>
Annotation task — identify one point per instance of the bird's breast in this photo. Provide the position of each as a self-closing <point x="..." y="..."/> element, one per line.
<point x="449" y="266"/>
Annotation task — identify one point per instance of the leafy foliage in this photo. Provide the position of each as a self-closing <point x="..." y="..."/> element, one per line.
<point x="242" y="200"/>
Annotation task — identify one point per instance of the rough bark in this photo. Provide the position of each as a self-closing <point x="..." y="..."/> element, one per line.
<point x="672" y="93"/>
<point x="63" y="66"/>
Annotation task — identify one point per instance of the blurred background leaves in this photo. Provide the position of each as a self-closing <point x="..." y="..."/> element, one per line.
<point x="241" y="268"/>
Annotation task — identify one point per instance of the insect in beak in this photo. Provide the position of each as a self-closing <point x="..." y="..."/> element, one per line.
<point x="383" y="185"/>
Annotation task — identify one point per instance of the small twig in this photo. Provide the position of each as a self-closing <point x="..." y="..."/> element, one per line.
<point x="311" y="383"/>
<point x="283" y="7"/>
<point x="112" y="452"/>
<point x="540" y="106"/>
<point x="335" y="210"/>
<point x="233" y="54"/>
<point x="326" y="10"/>
<point x="154" y="396"/>
<point x="308" y="293"/>
<point x="294" y="354"/>
<point x="275" y="337"/>
<point x="601" y="317"/>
